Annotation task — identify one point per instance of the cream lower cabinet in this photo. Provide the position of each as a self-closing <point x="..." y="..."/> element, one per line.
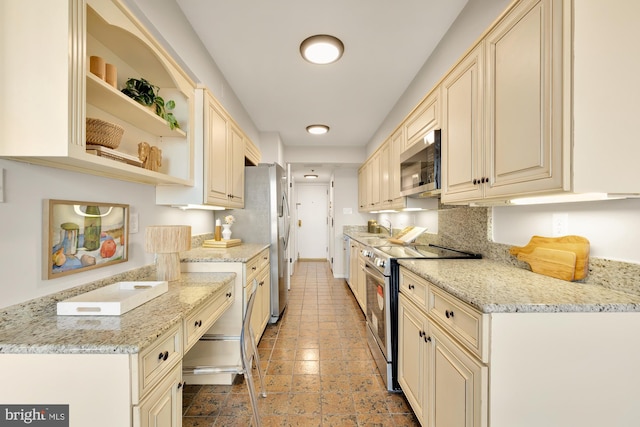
<point x="258" y="268"/>
<point x="444" y="384"/>
<point x="141" y="389"/>
<point x="460" y="367"/>
<point x="356" y="273"/>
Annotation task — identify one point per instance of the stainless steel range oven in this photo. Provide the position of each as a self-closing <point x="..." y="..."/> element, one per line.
<point x="382" y="287"/>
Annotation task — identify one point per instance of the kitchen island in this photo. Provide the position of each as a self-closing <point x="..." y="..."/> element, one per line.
<point x="111" y="370"/>
<point x="486" y="344"/>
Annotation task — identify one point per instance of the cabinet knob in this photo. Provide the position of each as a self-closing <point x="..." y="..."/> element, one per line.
<point x="228" y="294"/>
<point x="254" y="268"/>
<point x="411" y="286"/>
<point x="448" y="314"/>
<point x="181" y="385"/>
<point x="198" y="323"/>
<point x="426" y="338"/>
<point x="261" y="283"/>
<point x="163" y="356"/>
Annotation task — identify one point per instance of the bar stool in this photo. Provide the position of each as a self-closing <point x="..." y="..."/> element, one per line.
<point x="248" y="353"/>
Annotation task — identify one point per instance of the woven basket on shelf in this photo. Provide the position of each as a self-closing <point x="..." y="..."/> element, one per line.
<point x="103" y="133"/>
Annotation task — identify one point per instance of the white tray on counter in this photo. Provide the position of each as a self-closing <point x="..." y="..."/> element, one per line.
<point x="112" y="300"/>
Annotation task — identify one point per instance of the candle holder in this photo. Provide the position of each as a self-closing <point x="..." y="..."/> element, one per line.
<point x="167" y="241"/>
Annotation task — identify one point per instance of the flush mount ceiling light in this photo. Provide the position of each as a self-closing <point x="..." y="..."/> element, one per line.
<point x="317" y="129"/>
<point x="311" y="175"/>
<point x="321" y="49"/>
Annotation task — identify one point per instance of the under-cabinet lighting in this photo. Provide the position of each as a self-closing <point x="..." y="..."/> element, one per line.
<point x="564" y="198"/>
<point x="201" y="207"/>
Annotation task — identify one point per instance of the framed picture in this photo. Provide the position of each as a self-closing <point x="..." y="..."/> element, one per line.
<point x="81" y="236"/>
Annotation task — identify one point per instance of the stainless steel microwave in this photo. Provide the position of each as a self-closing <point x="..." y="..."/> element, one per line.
<point x="420" y="167"/>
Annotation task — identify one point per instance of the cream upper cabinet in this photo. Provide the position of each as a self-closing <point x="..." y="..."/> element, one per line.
<point x="235" y="174"/>
<point x="424" y="118"/>
<point x="523" y="101"/>
<point x="385" y="175"/>
<point x="373" y="181"/>
<point x="397" y="143"/>
<point x="463" y="162"/>
<point x="222" y="146"/>
<point x="363" y="202"/>
<point x="52" y="52"/>
<point x="520" y="150"/>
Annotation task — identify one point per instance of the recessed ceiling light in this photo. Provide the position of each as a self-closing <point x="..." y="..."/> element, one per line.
<point x="317" y="129"/>
<point x="311" y="176"/>
<point x="321" y="49"/>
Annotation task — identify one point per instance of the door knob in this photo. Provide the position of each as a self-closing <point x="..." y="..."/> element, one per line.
<point x="299" y="223"/>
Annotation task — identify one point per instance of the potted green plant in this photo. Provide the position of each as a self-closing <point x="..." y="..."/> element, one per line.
<point x="146" y="94"/>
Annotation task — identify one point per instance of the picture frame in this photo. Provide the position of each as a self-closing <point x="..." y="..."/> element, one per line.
<point x="80" y="236"/>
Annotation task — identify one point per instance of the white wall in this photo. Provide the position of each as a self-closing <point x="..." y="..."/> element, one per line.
<point x="611" y="226"/>
<point x="26" y="186"/>
<point x="165" y="20"/>
<point x="474" y="19"/>
<point x="345" y="207"/>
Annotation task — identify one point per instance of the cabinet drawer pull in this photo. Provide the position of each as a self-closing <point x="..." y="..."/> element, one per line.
<point x="228" y="294"/>
<point x="261" y="283"/>
<point x="181" y="385"/>
<point x="163" y="356"/>
<point x="448" y="314"/>
<point x="426" y="338"/>
<point x="420" y="333"/>
<point x="197" y="323"/>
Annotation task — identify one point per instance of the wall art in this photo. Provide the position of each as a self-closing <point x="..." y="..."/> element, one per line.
<point x="81" y="236"/>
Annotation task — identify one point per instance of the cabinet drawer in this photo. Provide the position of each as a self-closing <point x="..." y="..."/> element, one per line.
<point x="158" y="359"/>
<point x="252" y="269"/>
<point x="414" y="288"/>
<point x="263" y="259"/>
<point x="196" y="324"/>
<point x="465" y="323"/>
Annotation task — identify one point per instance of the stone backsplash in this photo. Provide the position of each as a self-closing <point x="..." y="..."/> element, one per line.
<point x="470" y="229"/>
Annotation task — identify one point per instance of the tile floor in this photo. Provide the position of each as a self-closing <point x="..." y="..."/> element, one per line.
<point x="318" y="368"/>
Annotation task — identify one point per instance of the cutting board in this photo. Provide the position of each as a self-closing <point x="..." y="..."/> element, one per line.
<point x="408" y="234"/>
<point x="556" y="256"/>
<point x="221" y="243"/>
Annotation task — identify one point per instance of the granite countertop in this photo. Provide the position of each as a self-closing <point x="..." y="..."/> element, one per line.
<point x="493" y="287"/>
<point x="34" y="327"/>
<point x="240" y="253"/>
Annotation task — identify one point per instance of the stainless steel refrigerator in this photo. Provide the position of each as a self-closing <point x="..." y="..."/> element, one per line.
<point x="266" y="219"/>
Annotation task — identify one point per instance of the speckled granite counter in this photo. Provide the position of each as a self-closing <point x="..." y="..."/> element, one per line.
<point x="492" y="287"/>
<point x="240" y="253"/>
<point x="40" y="330"/>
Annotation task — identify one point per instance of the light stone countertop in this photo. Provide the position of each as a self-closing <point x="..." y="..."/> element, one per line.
<point x="241" y="253"/>
<point x="34" y="327"/>
<point x="493" y="287"/>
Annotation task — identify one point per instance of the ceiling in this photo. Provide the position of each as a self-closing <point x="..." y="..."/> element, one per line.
<point x="256" y="46"/>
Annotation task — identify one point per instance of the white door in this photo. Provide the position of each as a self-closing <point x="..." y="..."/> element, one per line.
<point x="311" y="220"/>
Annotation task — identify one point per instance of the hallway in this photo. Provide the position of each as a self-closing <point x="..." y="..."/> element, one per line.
<point x="318" y="368"/>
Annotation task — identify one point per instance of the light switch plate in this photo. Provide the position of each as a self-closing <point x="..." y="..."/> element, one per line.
<point x="133" y="222"/>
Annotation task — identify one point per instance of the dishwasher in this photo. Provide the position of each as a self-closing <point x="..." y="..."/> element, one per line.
<point x="346" y="247"/>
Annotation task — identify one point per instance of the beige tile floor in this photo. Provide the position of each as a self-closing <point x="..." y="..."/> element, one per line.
<point x="318" y="368"/>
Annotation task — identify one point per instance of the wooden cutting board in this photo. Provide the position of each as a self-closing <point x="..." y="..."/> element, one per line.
<point x="221" y="243"/>
<point x="553" y="256"/>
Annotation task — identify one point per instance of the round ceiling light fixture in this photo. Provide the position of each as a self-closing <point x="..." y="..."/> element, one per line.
<point x="311" y="175"/>
<point x="321" y="49"/>
<point x="317" y="129"/>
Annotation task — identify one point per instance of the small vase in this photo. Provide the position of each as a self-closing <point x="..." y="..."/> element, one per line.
<point x="226" y="231"/>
